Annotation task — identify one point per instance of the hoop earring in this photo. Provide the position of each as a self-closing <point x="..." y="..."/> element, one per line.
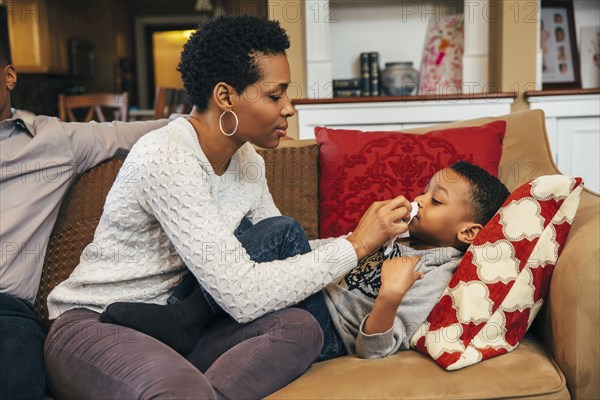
<point x="237" y="122"/>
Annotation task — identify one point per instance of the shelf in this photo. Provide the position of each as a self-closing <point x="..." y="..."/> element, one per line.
<point x="418" y="98"/>
<point x="337" y="32"/>
<point x="397" y="113"/>
<point x="572" y="103"/>
<point x="561" y="92"/>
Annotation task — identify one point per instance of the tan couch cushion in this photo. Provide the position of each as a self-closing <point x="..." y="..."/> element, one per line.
<point x="527" y="372"/>
<point x="525" y="150"/>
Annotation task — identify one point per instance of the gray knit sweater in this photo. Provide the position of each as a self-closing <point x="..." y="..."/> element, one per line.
<point x="351" y="300"/>
<point x="167" y="210"/>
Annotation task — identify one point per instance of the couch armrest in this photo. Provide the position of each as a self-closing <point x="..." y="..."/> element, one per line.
<point x="568" y="323"/>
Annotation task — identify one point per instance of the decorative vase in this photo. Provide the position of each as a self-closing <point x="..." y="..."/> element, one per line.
<point x="400" y="79"/>
<point x="441" y="65"/>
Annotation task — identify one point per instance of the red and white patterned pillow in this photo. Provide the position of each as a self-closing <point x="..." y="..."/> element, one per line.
<point x="500" y="284"/>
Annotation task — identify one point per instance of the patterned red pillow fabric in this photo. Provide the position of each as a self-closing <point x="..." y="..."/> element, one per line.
<point x="358" y="168"/>
<point x="500" y="284"/>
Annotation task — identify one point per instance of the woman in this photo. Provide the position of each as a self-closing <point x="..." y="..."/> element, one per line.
<point x="176" y="208"/>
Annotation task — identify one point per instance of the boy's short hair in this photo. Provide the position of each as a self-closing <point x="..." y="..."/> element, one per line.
<point x="487" y="192"/>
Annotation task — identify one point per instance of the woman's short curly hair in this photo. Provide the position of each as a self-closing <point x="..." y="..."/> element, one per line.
<point x="224" y="49"/>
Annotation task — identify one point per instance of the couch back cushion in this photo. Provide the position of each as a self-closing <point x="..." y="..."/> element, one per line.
<point x="358" y="168"/>
<point x="525" y="149"/>
<point x="292" y="172"/>
<point x="77" y="219"/>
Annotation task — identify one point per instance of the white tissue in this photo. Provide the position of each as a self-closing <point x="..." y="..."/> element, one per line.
<point x="389" y="246"/>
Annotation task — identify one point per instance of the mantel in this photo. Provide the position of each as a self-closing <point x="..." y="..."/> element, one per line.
<point x="569" y="103"/>
<point x="561" y="92"/>
<point x="397" y="113"/>
<point x="418" y="98"/>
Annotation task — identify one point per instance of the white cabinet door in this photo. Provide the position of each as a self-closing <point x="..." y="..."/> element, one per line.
<point x="578" y="147"/>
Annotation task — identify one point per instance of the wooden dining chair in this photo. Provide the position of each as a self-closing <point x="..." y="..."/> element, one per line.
<point x="169" y="101"/>
<point x="71" y="107"/>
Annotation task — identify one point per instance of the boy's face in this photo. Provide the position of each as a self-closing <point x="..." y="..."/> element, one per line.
<point x="444" y="210"/>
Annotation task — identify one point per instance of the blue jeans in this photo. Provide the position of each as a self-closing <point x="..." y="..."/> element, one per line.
<point x="22" y="373"/>
<point x="276" y="238"/>
<point x="333" y="346"/>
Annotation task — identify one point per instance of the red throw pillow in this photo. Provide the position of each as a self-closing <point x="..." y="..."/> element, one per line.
<point x="358" y="168"/>
<point x="500" y="284"/>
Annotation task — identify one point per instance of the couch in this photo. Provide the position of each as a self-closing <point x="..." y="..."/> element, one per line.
<point x="558" y="358"/>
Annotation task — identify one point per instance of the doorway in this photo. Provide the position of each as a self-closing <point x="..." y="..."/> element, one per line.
<point x="157" y="40"/>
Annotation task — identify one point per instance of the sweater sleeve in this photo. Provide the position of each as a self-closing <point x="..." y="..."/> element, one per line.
<point x="175" y="190"/>
<point x="316" y="243"/>
<point x="265" y="206"/>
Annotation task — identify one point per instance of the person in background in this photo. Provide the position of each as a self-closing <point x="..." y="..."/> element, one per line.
<point x="40" y="157"/>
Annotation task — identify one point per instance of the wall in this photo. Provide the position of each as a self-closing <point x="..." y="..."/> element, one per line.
<point x="96" y="22"/>
<point x="513" y="47"/>
<point x="394" y="29"/>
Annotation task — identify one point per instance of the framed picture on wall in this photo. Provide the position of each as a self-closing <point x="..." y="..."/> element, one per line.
<point x="560" y="59"/>
<point x="590" y="56"/>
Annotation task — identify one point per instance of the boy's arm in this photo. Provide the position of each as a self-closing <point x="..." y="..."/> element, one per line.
<point x="416" y="306"/>
<point x="397" y="276"/>
<point x="381" y="333"/>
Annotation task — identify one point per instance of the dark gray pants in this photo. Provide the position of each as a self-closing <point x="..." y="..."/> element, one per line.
<point x="88" y="359"/>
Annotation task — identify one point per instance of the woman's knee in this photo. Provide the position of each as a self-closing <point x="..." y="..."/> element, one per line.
<point x="86" y="358"/>
<point x="283" y="224"/>
<point x="293" y="236"/>
<point x="301" y="328"/>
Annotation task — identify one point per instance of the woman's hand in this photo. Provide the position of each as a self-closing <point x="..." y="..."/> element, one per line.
<point x="382" y="221"/>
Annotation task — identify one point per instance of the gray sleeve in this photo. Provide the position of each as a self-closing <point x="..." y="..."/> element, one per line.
<point x="413" y="311"/>
<point x="94" y="142"/>
<point x="379" y="345"/>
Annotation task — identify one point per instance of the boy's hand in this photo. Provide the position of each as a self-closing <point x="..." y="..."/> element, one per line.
<point x="397" y="276"/>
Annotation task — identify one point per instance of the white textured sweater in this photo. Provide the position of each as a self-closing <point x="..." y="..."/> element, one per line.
<point x="167" y="210"/>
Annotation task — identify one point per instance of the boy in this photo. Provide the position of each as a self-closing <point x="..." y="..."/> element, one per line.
<point x="371" y="311"/>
